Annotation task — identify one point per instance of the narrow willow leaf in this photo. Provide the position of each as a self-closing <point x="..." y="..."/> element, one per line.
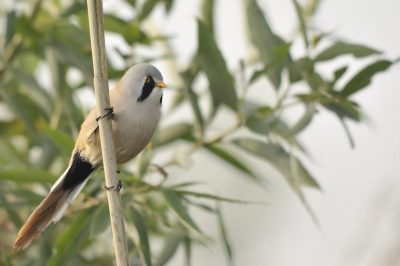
<point x="175" y="204"/>
<point x="280" y="53"/>
<point x="341" y="48"/>
<point x="278" y="158"/>
<point x="187" y="244"/>
<point x="144" y="247"/>
<point x="296" y="187"/>
<point x="265" y="40"/>
<point x="213" y="64"/>
<point x="143" y="162"/>
<point x="22" y="176"/>
<point x="147" y="7"/>
<point x="344" y="109"/>
<point x="16" y="105"/>
<point x="74" y="8"/>
<point x="348" y="134"/>
<point x="71" y="56"/>
<point x="73" y="36"/>
<point x="231" y="158"/>
<point x="224" y="235"/>
<point x="303" y="27"/>
<point x="100" y="220"/>
<point x="363" y="78"/>
<point x="304" y="120"/>
<point x="208" y="13"/>
<point x="63" y="142"/>
<point x="217" y="198"/>
<point x="201" y="206"/>
<point x="186" y="184"/>
<point x="170" y="247"/>
<point x="10" y="28"/>
<point x="266" y="125"/>
<point x="339" y="73"/>
<point x="171" y="133"/>
<point x="168" y="5"/>
<point x="299" y="68"/>
<point x="65" y="243"/>
<point x="132" y="2"/>
<point x="188" y="77"/>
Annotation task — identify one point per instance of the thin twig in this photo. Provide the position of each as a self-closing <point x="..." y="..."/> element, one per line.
<point x="95" y="9"/>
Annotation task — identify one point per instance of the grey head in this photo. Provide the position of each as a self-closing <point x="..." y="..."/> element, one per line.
<point x="144" y="82"/>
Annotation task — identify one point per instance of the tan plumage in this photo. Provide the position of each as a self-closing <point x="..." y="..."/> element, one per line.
<point x="136" y="101"/>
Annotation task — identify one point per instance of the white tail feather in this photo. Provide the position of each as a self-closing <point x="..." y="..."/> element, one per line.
<point x="72" y="195"/>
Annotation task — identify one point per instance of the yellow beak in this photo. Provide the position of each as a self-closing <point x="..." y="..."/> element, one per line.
<point x="161" y="84"/>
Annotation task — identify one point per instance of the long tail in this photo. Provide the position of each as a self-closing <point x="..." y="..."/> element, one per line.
<point x="52" y="208"/>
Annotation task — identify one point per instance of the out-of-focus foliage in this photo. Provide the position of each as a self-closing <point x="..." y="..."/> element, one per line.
<point x="40" y="124"/>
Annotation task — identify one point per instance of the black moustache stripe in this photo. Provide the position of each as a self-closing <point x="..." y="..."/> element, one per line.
<point x="147" y="89"/>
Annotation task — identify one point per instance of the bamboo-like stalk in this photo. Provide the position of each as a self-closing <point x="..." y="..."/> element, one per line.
<point x="95" y="9"/>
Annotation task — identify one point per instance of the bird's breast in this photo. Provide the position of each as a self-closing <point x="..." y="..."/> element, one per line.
<point x="133" y="129"/>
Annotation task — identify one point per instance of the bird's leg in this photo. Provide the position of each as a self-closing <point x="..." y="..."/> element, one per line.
<point x="119" y="186"/>
<point x="109" y="114"/>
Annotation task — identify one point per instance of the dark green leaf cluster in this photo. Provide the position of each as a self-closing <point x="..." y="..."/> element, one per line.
<point x="38" y="129"/>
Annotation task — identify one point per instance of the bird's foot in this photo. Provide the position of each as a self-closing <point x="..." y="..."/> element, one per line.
<point x="109" y="114"/>
<point x="118" y="188"/>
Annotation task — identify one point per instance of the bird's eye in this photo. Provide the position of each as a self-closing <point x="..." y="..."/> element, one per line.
<point x="147" y="79"/>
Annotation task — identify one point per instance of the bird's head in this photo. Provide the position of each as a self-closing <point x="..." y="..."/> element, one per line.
<point x="144" y="82"/>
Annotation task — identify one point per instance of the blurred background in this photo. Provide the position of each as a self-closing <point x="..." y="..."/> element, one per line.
<point x="269" y="103"/>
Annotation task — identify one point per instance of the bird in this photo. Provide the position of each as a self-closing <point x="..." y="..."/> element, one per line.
<point x="136" y="108"/>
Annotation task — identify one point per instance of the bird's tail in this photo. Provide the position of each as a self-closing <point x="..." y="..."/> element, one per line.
<point x="52" y="207"/>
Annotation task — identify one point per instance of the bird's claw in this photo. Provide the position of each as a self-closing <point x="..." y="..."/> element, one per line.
<point x="109" y="114"/>
<point x="118" y="188"/>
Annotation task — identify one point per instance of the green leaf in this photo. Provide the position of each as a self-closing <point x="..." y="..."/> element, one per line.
<point x="171" y="133"/>
<point x="65" y="243"/>
<point x="339" y="73"/>
<point x="10" y="28"/>
<point x="176" y="206"/>
<point x="304" y="120"/>
<point x="147" y="7"/>
<point x="265" y="40"/>
<point x="363" y="78"/>
<point x="71" y="56"/>
<point x="132" y="2"/>
<point x="341" y="48"/>
<point x="213" y="64"/>
<point x="298" y="69"/>
<point x="229" y="157"/>
<point x="280" y="53"/>
<point x="187" y="244"/>
<point x="72" y="35"/>
<point x="63" y="142"/>
<point x="344" y="109"/>
<point x="143" y="243"/>
<point x="188" y="77"/>
<point x="208" y="13"/>
<point x="100" y="220"/>
<point x="224" y="235"/>
<point x="168" y="5"/>
<point x="74" y="8"/>
<point x="171" y="245"/>
<point x="33" y="91"/>
<point x="22" y="176"/>
<point x="217" y="198"/>
<point x="303" y="27"/>
<point x="266" y="125"/>
<point x="143" y="162"/>
<point x="348" y="134"/>
<point x="278" y="158"/>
